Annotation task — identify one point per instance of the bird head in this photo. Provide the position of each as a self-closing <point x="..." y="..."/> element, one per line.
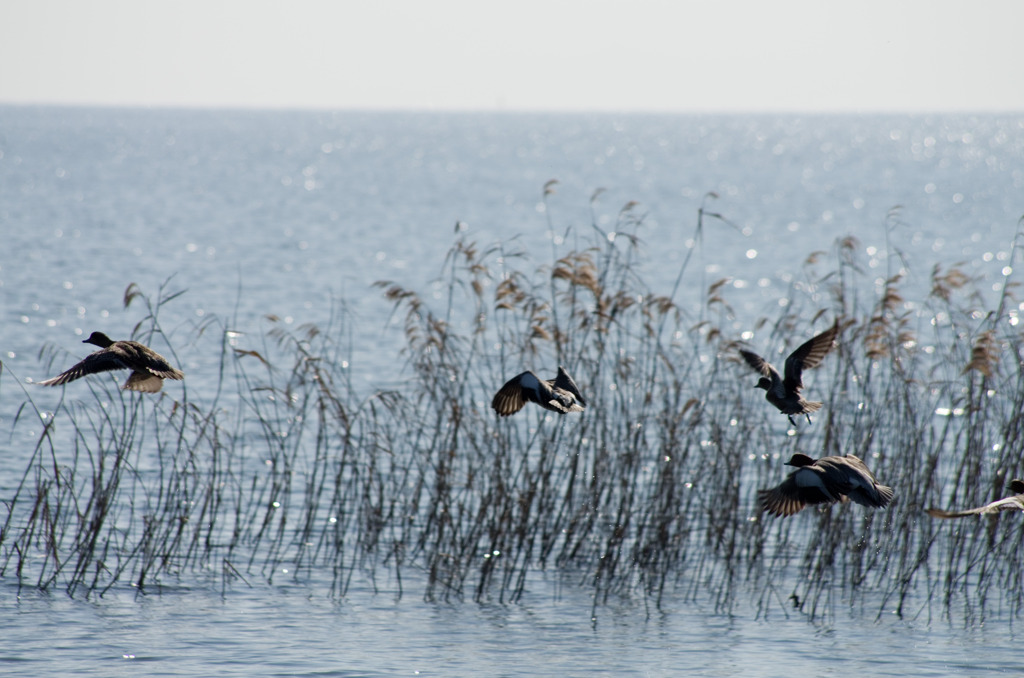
<point x="98" y="339"/>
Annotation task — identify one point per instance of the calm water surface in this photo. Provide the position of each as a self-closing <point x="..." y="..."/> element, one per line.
<point x="288" y="213"/>
<point x="288" y="632"/>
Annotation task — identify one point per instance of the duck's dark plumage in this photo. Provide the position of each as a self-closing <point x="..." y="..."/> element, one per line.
<point x="824" y="481"/>
<point x="783" y="391"/>
<point x="1014" y="502"/>
<point x="149" y="368"/>
<point x="558" y="395"/>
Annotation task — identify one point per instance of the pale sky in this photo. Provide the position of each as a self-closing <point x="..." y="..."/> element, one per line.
<point x="601" y="55"/>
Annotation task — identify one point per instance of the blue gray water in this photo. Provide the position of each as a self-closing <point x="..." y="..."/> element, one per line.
<point x="285" y="632"/>
<point x="281" y="213"/>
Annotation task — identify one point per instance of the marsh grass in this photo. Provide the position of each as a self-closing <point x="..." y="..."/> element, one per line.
<point x="287" y="467"/>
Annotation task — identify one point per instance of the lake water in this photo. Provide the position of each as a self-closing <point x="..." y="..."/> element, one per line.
<point x="284" y="213"/>
<point x="285" y="631"/>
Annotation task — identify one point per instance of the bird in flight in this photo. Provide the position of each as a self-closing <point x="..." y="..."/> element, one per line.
<point x="558" y="395"/>
<point x="1011" y="503"/>
<point x="149" y="368"/>
<point x="824" y="481"/>
<point x="784" y="391"/>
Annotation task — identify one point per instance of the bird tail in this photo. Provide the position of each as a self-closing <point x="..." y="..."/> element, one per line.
<point x="809" y="406"/>
<point x="878" y="497"/>
<point x="885" y="495"/>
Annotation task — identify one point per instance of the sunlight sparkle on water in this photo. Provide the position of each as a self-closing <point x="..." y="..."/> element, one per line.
<point x="945" y="411"/>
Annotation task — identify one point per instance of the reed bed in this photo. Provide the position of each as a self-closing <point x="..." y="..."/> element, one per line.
<point x="288" y="468"/>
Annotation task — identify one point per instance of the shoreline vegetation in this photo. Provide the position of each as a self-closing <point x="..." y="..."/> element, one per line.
<point x="650" y="492"/>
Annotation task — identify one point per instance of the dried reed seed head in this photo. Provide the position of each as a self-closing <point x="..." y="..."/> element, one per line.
<point x="661" y="304"/>
<point x="538" y="332"/>
<point x="984" y="354"/>
<point x="905" y="337"/>
<point x="716" y="300"/>
<point x="505" y="287"/>
<point x="891" y="299"/>
<point x="943" y="284"/>
<point x="849" y="243"/>
<point x="254" y="354"/>
<point x="876" y="350"/>
<point x="622" y="301"/>
<point x="715" y="286"/>
<point x="131" y="293"/>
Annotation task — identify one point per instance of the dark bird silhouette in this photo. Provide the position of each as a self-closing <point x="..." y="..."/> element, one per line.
<point x="784" y="392"/>
<point x="558" y="395"/>
<point x="1014" y="502"/>
<point x="149" y="368"/>
<point x="824" y="481"/>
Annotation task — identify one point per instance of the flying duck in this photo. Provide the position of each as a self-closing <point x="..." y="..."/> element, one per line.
<point x="784" y="392"/>
<point x="824" y="481"/>
<point x="1013" y="502"/>
<point x="149" y="368"/>
<point x="558" y="395"/>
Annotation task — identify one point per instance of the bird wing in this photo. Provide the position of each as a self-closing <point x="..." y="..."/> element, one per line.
<point x="850" y="476"/>
<point x="778" y="503"/>
<point x="565" y="382"/>
<point x="792" y="494"/>
<point x="144" y="381"/>
<point x="808" y="355"/>
<point x="94" y="363"/>
<point x="141" y="357"/>
<point x="760" y="365"/>
<point x="510" y="398"/>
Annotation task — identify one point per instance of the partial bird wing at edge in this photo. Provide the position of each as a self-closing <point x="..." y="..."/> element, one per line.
<point x="94" y="363"/>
